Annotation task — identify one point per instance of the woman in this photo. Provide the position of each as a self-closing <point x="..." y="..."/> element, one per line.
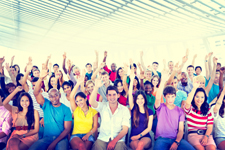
<point x="65" y="96"/>
<point x="156" y="81"/>
<point x="85" y="119"/>
<point x="60" y="75"/>
<point x="199" y="119"/>
<point x="25" y="121"/>
<point x="123" y="91"/>
<point x="219" y="120"/>
<point x="17" y="68"/>
<point x="119" y="73"/>
<point x="89" y="88"/>
<point x="141" y="119"/>
<point x="53" y="82"/>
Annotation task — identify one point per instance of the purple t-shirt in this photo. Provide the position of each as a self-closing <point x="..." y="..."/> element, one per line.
<point x="168" y="121"/>
<point x="142" y="123"/>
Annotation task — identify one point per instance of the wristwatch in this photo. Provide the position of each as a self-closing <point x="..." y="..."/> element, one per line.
<point x="178" y="143"/>
<point x="24" y="135"/>
<point x="207" y="136"/>
<point x="206" y="60"/>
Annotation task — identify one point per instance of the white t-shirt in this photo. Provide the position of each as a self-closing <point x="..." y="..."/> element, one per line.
<point x="219" y="124"/>
<point x="65" y="101"/>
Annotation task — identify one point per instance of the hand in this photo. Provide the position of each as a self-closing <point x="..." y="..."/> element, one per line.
<point x="49" y="57"/>
<point x="43" y="66"/>
<point x="173" y="146"/>
<point x="142" y="74"/>
<point x="85" y="138"/>
<point x="195" y="55"/>
<point x="204" y="141"/>
<point x="196" y="84"/>
<point x="102" y="64"/>
<point x="42" y="122"/>
<point x="105" y="54"/>
<point x="141" y="53"/>
<point x="222" y="70"/>
<point x="17" y="136"/>
<point x="176" y="68"/>
<point x="64" y="55"/>
<point x="210" y="54"/>
<point x="43" y="73"/>
<point x="139" y="65"/>
<point x="179" y="76"/>
<point x="2" y="60"/>
<point x="215" y="60"/>
<point x="96" y="52"/>
<point x="187" y="52"/>
<point x="98" y="83"/>
<point x="29" y="67"/>
<point x="133" y="138"/>
<point x="111" y="145"/>
<point x="125" y="69"/>
<point x="29" y="59"/>
<point x="52" y="146"/>
<point x="7" y="67"/>
<point x="206" y="57"/>
<point x="12" y="58"/>
<point x="184" y="59"/>
<point x="19" y="88"/>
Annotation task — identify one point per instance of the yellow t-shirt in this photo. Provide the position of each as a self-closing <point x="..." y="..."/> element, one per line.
<point x="83" y="124"/>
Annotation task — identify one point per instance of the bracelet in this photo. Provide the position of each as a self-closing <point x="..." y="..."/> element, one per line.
<point x="207" y="136"/>
<point x="206" y="60"/>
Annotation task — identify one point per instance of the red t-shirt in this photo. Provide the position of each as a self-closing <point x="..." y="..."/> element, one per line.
<point x="112" y="75"/>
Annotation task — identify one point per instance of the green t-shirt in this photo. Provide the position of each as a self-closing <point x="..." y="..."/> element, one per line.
<point x="151" y="102"/>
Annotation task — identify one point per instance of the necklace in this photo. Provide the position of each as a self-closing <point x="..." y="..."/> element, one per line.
<point x="85" y="111"/>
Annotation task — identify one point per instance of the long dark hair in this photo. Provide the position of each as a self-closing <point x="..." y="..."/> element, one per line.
<point x="81" y="94"/>
<point x="30" y="112"/>
<point x="117" y="73"/>
<point x="49" y="83"/>
<point x="116" y="82"/>
<point x="18" y="67"/>
<point x="18" y="77"/>
<point x="136" y="111"/>
<point x="205" y="106"/>
<point x="156" y="76"/>
<point x="31" y="73"/>
<point x="221" y="111"/>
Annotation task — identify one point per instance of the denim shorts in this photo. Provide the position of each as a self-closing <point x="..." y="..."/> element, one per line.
<point x="218" y="140"/>
<point x="90" y="138"/>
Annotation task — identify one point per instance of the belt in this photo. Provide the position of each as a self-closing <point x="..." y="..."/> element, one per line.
<point x="23" y="128"/>
<point x="199" y="132"/>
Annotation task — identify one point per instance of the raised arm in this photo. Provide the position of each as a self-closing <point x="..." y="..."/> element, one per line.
<point x="142" y="76"/>
<point x="8" y="99"/>
<point x="2" y="60"/>
<point x="96" y="61"/>
<point x="93" y="97"/>
<point x="184" y="60"/>
<point x="12" y="60"/>
<point x="153" y="70"/>
<point x="175" y="70"/>
<point x="24" y="80"/>
<point x="207" y="67"/>
<point x="213" y="75"/>
<point x="222" y="70"/>
<point x="191" y="94"/>
<point x="165" y="76"/>
<point x="46" y="64"/>
<point x="125" y="86"/>
<point x="142" y="62"/>
<point x="132" y="76"/>
<point x="210" y="64"/>
<point x="193" y="60"/>
<point x="97" y="71"/>
<point x="219" y="101"/>
<point x="37" y="89"/>
<point x="64" y="63"/>
<point x="105" y="55"/>
<point x="10" y="74"/>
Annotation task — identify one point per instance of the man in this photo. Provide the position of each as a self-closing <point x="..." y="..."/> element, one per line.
<point x="170" y="126"/>
<point x="170" y="66"/>
<point x="115" y="119"/>
<point x="184" y="84"/>
<point x="58" y="119"/>
<point x="155" y="67"/>
<point x="198" y="70"/>
<point x="89" y="71"/>
<point x="106" y="83"/>
<point x="218" y="66"/>
<point x="112" y="72"/>
<point x="55" y="68"/>
<point x="190" y="71"/>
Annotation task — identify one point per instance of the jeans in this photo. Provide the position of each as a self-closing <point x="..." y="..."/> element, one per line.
<point x="165" y="144"/>
<point x="43" y="143"/>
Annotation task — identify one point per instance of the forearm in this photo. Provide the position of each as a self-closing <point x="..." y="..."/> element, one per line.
<point x="32" y="132"/>
<point x="92" y="130"/>
<point x="190" y="97"/>
<point x="221" y="81"/>
<point x="207" y="70"/>
<point x="2" y="135"/>
<point x="146" y="131"/>
<point x="170" y="80"/>
<point x="142" y="64"/>
<point x="95" y="73"/>
<point x="209" y="130"/>
<point x="12" y="77"/>
<point x="179" y="136"/>
<point x="104" y="60"/>
<point x="142" y="85"/>
<point x="121" y="135"/>
<point x="93" y="97"/>
<point x="64" y="66"/>
<point x="37" y="88"/>
<point x="210" y="66"/>
<point x="62" y="136"/>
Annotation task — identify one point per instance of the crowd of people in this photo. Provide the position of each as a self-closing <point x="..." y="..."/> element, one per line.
<point x="105" y="108"/>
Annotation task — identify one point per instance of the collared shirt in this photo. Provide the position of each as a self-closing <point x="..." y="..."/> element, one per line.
<point x="102" y="91"/>
<point x="112" y="124"/>
<point x="186" y="89"/>
<point x="5" y="123"/>
<point x="35" y="104"/>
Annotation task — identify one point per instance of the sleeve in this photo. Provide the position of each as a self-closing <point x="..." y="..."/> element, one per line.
<point x="106" y="69"/>
<point x="210" y="118"/>
<point x="126" y="117"/>
<point x="67" y="113"/>
<point x="160" y="106"/>
<point x="94" y="112"/>
<point x="150" y="112"/>
<point x="187" y="111"/>
<point x="7" y="124"/>
<point x="46" y="103"/>
<point x="2" y="80"/>
<point x="182" y="115"/>
<point x="184" y="96"/>
<point x="72" y="78"/>
<point x="100" y="106"/>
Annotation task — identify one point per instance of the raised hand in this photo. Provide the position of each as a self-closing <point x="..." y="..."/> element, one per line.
<point x="49" y="57"/>
<point x="29" y="59"/>
<point x="19" y="88"/>
<point x="12" y="58"/>
<point x="215" y="60"/>
<point x="206" y="57"/>
<point x="139" y="65"/>
<point x="43" y="73"/>
<point x="7" y="67"/>
<point x="64" y="55"/>
<point x="125" y="69"/>
<point x="105" y="54"/>
<point x="102" y="64"/>
<point x="132" y="75"/>
<point x="184" y="59"/>
<point x="196" y="84"/>
<point x="2" y="60"/>
<point x="210" y="54"/>
<point x="141" y="53"/>
<point x="98" y="83"/>
<point x="29" y="67"/>
<point x="142" y="74"/>
<point x="176" y="67"/>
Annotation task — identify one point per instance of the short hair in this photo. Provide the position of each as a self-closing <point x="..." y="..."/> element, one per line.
<point x="104" y="73"/>
<point x="169" y="62"/>
<point x="35" y="79"/>
<point x="36" y="69"/>
<point x="190" y="66"/>
<point x="75" y="67"/>
<point x="55" y="65"/>
<point x="198" y="67"/>
<point x="169" y="90"/>
<point x="217" y="70"/>
<point x="114" y="88"/>
<point x="219" y="64"/>
<point x="148" y="83"/>
<point x="155" y="63"/>
<point x="134" y="65"/>
<point x="53" y="89"/>
<point x="88" y="64"/>
<point x="9" y="85"/>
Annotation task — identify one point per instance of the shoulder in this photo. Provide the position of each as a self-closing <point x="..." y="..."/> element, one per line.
<point x="92" y="110"/>
<point x="150" y="112"/>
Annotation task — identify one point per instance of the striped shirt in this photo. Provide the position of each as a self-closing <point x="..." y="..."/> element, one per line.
<point x="196" y="121"/>
<point x="35" y="104"/>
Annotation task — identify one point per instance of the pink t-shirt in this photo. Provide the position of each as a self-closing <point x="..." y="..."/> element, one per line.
<point x="88" y="97"/>
<point x="168" y="121"/>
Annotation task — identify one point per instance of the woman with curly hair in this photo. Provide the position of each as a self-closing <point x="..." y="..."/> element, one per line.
<point x="25" y="121"/>
<point x="199" y="119"/>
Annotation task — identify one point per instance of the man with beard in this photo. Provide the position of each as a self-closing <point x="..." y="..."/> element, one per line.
<point x="112" y="72"/>
<point x="184" y="84"/>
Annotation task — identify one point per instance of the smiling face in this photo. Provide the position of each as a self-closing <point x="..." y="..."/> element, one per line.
<point x="155" y="81"/>
<point x="89" y="68"/>
<point x="13" y="71"/>
<point x="148" y="89"/>
<point x="199" y="99"/>
<point x="105" y="78"/>
<point x="198" y="71"/>
<point x="148" y="74"/>
<point x="112" y="96"/>
<point x="140" y="100"/>
<point x="120" y="87"/>
<point x="52" y="81"/>
<point x="54" y="97"/>
<point x="170" y="65"/>
<point x="113" y="67"/>
<point x="58" y="73"/>
<point x="184" y="79"/>
<point x="155" y="66"/>
<point x="67" y="89"/>
<point x="90" y="88"/>
<point x="55" y="68"/>
<point x="190" y="71"/>
<point x="81" y="102"/>
<point x="77" y="72"/>
<point x="24" y="102"/>
<point x="36" y="73"/>
<point x="170" y="98"/>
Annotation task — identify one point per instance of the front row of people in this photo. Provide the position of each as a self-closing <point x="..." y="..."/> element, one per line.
<point x="115" y="120"/>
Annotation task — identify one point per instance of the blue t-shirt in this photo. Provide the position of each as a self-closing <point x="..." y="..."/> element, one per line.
<point x="180" y="96"/>
<point x="89" y="75"/>
<point x="54" y="118"/>
<point x="213" y="92"/>
<point x="159" y="73"/>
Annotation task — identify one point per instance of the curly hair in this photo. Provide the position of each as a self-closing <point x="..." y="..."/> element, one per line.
<point x="30" y="112"/>
<point x="205" y="106"/>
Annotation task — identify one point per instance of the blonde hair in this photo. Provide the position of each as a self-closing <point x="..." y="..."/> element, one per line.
<point x="199" y="78"/>
<point x="87" y="83"/>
